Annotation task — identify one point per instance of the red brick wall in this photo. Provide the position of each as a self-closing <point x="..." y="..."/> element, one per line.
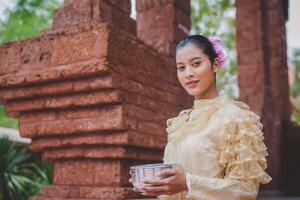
<point x="93" y="97"/>
<point x="261" y="46"/>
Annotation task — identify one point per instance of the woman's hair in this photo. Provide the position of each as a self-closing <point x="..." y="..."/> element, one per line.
<point x="202" y="43"/>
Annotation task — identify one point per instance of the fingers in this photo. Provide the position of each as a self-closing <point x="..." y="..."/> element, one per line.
<point x="155" y="182"/>
<point x="157" y="189"/>
<point x="136" y="190"/>
<point x="167" y="172"/>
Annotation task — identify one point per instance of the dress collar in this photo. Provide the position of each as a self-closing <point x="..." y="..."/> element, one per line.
<point x="202" y="103"/>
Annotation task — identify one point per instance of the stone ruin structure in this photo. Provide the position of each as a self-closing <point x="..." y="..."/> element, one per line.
<point x="94" y="92"/>
<point x="263" y="84"/>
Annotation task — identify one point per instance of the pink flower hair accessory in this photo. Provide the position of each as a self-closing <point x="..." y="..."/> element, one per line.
<point x="216" y="42"/>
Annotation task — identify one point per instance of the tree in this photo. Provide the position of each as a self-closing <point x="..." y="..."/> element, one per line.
<point x="217" y="18"/>
<point x="27" y="19"/>
<point x="295" y="88"/>
<point x="5" y="121"/>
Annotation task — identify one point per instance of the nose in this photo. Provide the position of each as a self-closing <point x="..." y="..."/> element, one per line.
<point x="189" y="72"/>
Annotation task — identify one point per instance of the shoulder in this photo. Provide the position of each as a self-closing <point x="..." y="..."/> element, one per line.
<point x="174" y="122"/>
<point x="180" y="116"/>
<point x="234" y="111"/>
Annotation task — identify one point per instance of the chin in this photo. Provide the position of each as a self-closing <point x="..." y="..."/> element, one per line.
<point x="193" y="92"/>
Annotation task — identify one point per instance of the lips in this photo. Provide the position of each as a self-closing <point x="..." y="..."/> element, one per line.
<point x="190" y="83"/>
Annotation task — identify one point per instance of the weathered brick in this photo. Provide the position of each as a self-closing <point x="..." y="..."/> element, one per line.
<point x="100" y="97"/>
<point x="59" y="87"/>
<point x="80" y="46"/>
<point x="251" y="40"/>
<point x="184" y="5"/>
<point x="51" y="115"/>
<point x="87" y="172"/>
<point x="151" y="128"/>
<point x="60" y="72"/>
<point x="166" y="19"/>
<point x="84" y="12"/>
<point x="36" y="53"/>
<point x="143" y="114"/>
<point x="151" y="104"/>
<point x="143" y="5"/>
<point x="149" y="92"/>
<point x="129" y="137"/>
<point x="183" y="26"/>
<point x="102" y="152"/>
<point x="72" y="13"/>
<point x="254" y="58"/>
<point x="106" y="193"/>
<point x="100" y="138"/>
<point x="261" y="49"/>
<point x="145" y="140"/>
<point x="91" y="172"/>
<point x="129" y="51"/>
<point x="93" y="97"/>
<point x="9" y="58"/>
<point x="124" y="6"/>
<point x="146" y="78"/>
<point x="110" y="119"/>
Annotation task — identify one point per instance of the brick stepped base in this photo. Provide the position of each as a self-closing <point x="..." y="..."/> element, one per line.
<point x="77" y="192"/>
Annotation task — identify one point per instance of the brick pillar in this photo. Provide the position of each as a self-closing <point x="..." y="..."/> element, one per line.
<point x="85" y="11"/>
<point x="162" y="23"/>
<point x="92" y="97"/>
<point x="261" y="46"/>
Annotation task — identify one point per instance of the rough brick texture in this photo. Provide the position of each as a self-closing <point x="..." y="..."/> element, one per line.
<point x="92" y="97"/>
<point x="162" y="23"/>
<point x="261" y="45"/>
<point x="85" y="11"/>
<point x="86" y="192"/>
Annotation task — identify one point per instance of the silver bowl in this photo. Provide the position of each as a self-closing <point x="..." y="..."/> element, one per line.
<point x="141" y="173"/>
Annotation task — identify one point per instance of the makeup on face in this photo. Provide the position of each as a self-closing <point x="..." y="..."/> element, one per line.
<point x="194" y="70"/>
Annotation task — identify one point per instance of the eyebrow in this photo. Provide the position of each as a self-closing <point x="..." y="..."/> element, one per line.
<point x="195" y="58"/>
<point x="192" y="59"/>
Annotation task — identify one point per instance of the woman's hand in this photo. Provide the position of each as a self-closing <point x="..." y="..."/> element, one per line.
<point x="134" y="188"/>
<point x="172" y="182"/>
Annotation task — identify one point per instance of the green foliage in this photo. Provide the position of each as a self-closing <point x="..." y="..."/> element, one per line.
<point x="8" y="122"/>
<point x="295" y="88"/>
<point x="22" y="174"/>
<point x="27" y="19"/>
<point x="217" y="18"/>
<point x="296" y="110"/>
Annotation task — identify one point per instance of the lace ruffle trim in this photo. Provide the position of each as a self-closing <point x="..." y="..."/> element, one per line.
<point x="244" y="151"/>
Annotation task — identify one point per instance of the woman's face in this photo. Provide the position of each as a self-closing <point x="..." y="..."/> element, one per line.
<point x="195" y="72"/>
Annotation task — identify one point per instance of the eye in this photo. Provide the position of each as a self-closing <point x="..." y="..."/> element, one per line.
<point x="180" y="68"/>
<point x="196" y="64"/>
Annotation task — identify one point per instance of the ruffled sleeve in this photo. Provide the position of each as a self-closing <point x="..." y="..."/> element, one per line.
<point x="242" y="154"/>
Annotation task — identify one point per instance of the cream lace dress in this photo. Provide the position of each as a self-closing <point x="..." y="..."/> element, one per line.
<point x="219" y="145"/>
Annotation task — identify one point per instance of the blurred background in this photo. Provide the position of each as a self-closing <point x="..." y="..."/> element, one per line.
<point x="22" y="173"/>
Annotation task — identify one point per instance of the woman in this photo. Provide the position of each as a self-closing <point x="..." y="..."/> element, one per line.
<point x="218" y="142"/>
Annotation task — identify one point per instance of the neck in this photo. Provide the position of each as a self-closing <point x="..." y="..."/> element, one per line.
<point x="208" y="94"/>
